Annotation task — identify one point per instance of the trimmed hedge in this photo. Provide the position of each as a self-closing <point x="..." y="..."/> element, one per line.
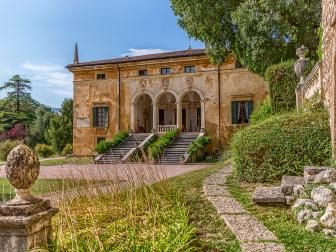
<point x="6" y="147"/>
<point x="104" y="146"/>
<point x="282" y="83"/>
<point x="67" y="150"/>
<point x="281" y="145"/>
<point x="156" y="148"/>
<point x="44" y="150"/>
<point x="198" y="144"/>
<point x="262" y="112"/>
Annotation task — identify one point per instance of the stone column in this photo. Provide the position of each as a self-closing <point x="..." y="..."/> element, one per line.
<point x="155" y="116"/>
<point x="179" y="115"/>
<point x="202" y="115"/>
<point x="25" y="221"/>
<point x="133" y="117"/>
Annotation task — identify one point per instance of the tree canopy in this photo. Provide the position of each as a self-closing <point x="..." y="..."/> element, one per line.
<point x="258" y="32"/>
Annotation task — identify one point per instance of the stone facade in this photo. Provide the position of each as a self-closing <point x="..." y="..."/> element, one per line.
<point x="201" y="98"/>
<point x="328" y="63"/>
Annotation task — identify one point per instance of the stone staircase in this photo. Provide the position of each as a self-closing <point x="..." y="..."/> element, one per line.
<point x="174" y="152"/>
<point x="115" y="154"/>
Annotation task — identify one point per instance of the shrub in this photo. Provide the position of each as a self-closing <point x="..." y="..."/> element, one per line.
<point x="282" y="83"/>
<point x="281" y="145"/>
<point x="262" y="111"/>
<point x="6" y="147"/>
<point x="67" y="150"/>
<point x="156" y="148"/>
<point x="104" y="146"/>
<point x="198" y="144"/>
<point x="44" y="150"/>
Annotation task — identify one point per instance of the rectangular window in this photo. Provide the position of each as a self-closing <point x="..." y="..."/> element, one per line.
<point x="101" y="76"/>
<point x="189" y="69"/>
<point x="100" y="139"/>
<point x="100" y="117"/>
<point x="165" y="70"/>
<point x="241" y="111"/>
<point x="143" y="72"/>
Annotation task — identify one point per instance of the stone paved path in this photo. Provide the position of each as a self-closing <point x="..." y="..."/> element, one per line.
<point x="252" y="235"/>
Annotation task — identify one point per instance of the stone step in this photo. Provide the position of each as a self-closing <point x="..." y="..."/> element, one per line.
<point x="288" y="183"/>
<point x="310" y="172"/>
<point x="269" y="196"/>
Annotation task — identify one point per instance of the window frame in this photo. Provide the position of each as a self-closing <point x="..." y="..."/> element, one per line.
<point x="190" y="67"/>
<point x="102" y="75"/>
<point x="234" y="106"/>
<point x="144" y="71"/>
<point x="168" y="70"/>
<point x="98" y="123"/>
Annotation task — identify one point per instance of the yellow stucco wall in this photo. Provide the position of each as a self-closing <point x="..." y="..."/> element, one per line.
<point x="235" y="84"/>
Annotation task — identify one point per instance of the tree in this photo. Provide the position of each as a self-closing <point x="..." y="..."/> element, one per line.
<point x="258" y="32"/>
<point x="19" y="87"/>
<point x="59" y="133"/>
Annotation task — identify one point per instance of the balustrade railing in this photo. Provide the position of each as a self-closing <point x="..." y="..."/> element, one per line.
<point x="165" y="128"/>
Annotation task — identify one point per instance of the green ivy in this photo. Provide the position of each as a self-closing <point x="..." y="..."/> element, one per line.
<point x="199" y="144"/>
<point x="104" y="146"/>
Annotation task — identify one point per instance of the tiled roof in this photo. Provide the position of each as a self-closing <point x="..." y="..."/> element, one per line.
<point x="157" y="56"/>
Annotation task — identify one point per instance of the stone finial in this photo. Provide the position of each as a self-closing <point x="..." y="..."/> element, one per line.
<point x="22" y="170"/>
<point x="76" y="57"/>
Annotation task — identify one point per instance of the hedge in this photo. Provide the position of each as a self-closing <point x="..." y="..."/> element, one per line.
<point x="281" y="145"/>
<point x="104" y="146"/>
<point x="282" y="83"/>
<point x="6" y="147"/>
<point x="44" y="150"/>
<point x="157" y="148"/>
<point x="198" y="144"/>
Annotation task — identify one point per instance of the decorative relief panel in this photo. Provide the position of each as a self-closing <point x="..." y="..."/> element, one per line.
<point x="83" y="122"/>
<point x="190" y="82"/>
<point x="165" y="83"/>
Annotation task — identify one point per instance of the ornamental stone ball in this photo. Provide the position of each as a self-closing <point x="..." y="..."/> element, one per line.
<point x="22" y="170"/>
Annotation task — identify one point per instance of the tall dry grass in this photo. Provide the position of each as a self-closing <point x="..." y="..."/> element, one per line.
<point x="129" y="209"/>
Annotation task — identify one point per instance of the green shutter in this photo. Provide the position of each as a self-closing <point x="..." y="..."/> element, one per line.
<point x="234" y="112"/>
<point x="250" y="109"/>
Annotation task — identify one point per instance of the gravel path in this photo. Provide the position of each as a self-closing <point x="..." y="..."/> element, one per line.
<point x="251" y="233"/>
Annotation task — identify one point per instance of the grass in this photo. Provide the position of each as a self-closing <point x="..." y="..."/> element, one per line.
<point x="63" y="161"/>
<point x="281" y="222"/>
<point x="172" y="215"/>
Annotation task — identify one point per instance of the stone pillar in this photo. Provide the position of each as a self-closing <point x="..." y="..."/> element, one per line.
<point x="202" y="115"/>
<point x="133" y="117"/>
<point x="25" y="221"/>
<point x="300" y="67"/>
<point x="179" y="115"/>
<point x="155" y="116"/>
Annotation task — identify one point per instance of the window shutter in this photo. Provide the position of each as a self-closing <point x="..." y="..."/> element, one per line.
<point x="250" y="108"/>
<point x="94" y="117"/>
<point x="234" y="112"/>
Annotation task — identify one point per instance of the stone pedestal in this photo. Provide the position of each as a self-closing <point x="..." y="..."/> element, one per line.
<point x="25" y="227"/>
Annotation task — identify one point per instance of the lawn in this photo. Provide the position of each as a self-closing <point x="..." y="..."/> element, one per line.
<point x="281" y="221"/>
<point x="63" y="161"/>
<point x="172" y="215"/>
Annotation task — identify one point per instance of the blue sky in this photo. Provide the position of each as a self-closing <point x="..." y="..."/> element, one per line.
<point x="38" y="36"/>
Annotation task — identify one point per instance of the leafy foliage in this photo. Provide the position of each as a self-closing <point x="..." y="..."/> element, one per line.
<point x="67" y="150"/>
<point x="281" y="145"/>
<point x="18" y="132"/>
<point x="282" y="83"/>
<point x="262" y="111"/>
<point x="44" y="150"/>
<point x="5" y="147"/>
<point x="104" y="146"/>
<point x="156" y="148"/>
<point x="59" y="133"/>
<point x="259" y="33"/>
<point x="199" y="144"/>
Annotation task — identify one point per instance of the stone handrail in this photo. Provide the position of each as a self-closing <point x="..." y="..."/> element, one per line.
<point x="312" y="83"/>
<point x="165" y="128"/>
<point x="133" y="150"/>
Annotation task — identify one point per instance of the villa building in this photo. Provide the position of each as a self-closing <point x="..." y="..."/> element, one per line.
<point x="161" y="92"/>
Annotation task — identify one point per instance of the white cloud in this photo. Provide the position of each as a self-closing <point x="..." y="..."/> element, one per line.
<point x="53" y="77"/>
<point x="138" y="52"/>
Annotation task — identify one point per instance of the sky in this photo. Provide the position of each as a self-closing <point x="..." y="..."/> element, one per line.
<point x="38" y="36"/>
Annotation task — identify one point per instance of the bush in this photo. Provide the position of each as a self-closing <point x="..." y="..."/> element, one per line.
<point x="281" y="145"/>
<point x="156" y="148"/>
<point x="44" y="150"/>
<point x="198" y="144"/>
<point x="6" y="147"/>
<point x="67" y="150"/>
<point x="282" y="83"/>
<point x="262" y="112"/>
<point x="104" y="146"/>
